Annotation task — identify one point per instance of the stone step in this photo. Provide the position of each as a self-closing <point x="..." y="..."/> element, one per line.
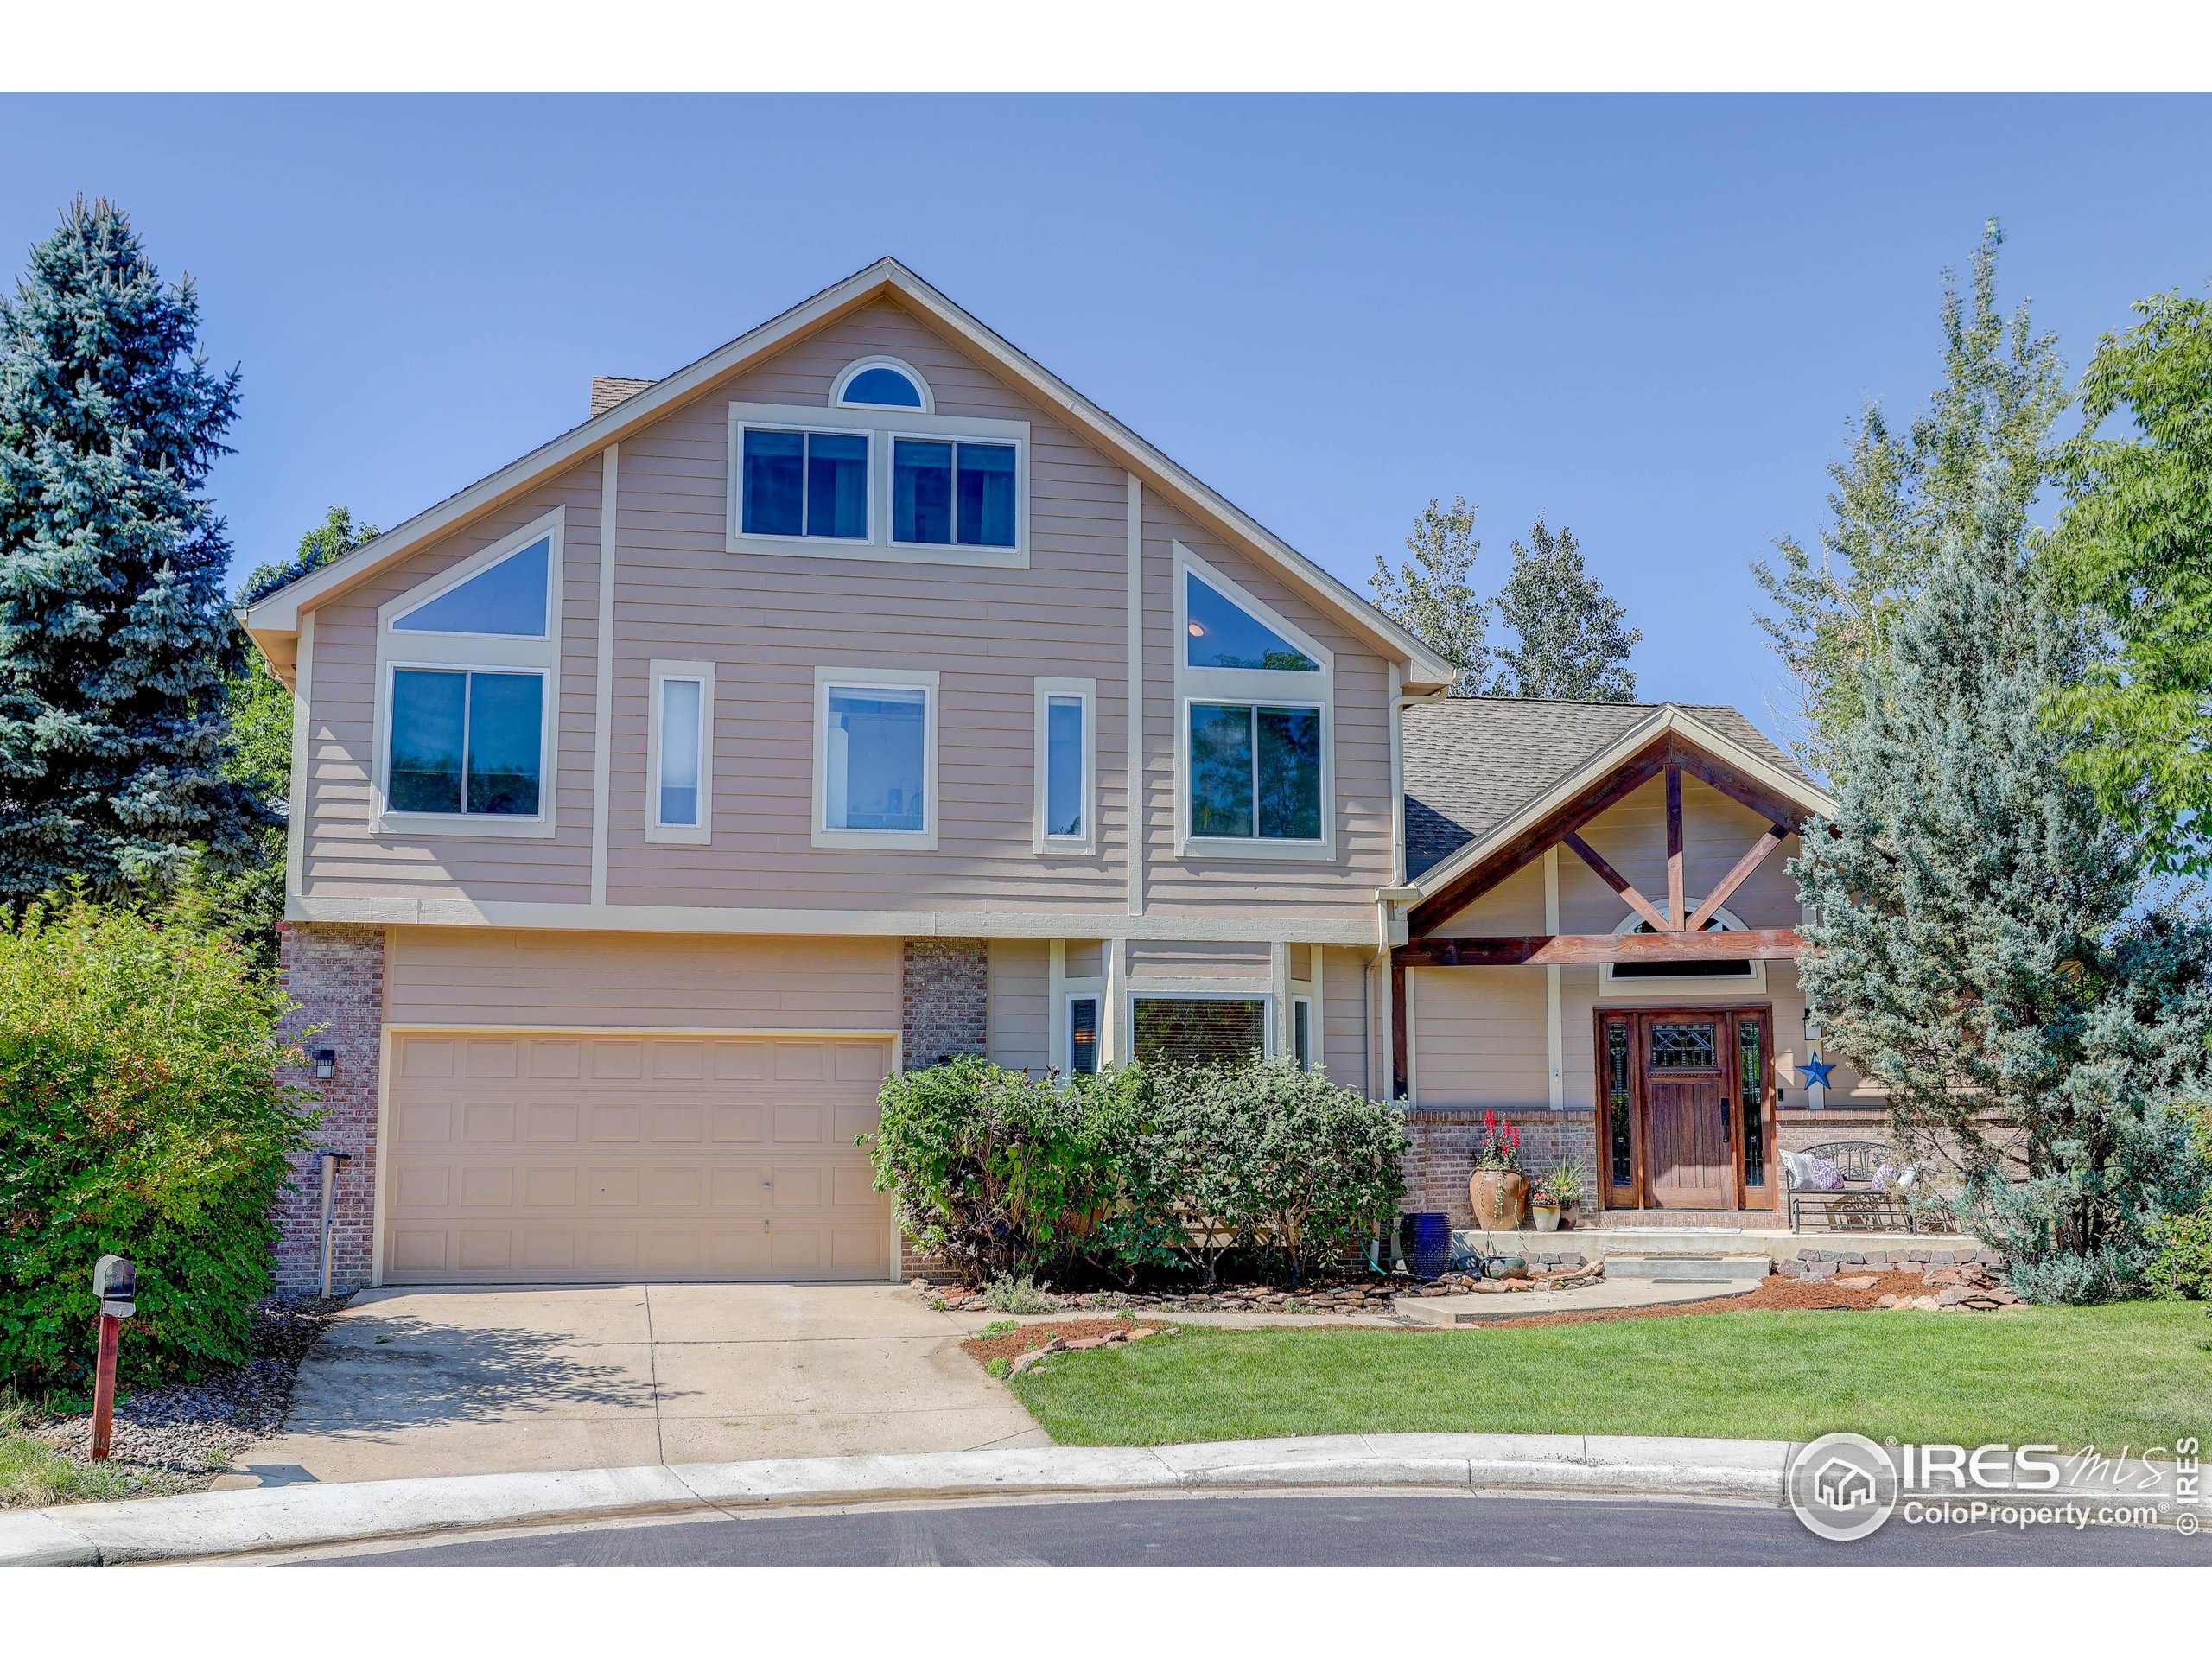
<point x="1685" y="1269"/>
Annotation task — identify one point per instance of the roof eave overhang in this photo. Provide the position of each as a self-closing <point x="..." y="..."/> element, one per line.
<point x="1671" y="719"/>
<point x="277" y="616"/>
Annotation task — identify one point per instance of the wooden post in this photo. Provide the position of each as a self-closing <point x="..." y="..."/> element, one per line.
<point x="104" y="1388"/>
<point x="1674" y="899"/>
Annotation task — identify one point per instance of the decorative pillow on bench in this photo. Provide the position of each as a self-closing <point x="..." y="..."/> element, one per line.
<point x="1821" y="1176"/>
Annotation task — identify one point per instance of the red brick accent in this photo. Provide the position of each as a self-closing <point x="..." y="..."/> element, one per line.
<point x="334" y="974"/>
<point x="1442" y="1154"/>
<point x="943" y="1000"/>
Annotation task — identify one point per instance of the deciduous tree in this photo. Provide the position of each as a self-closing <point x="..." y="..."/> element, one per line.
<point x="1432" y="592"/>
<point x="1572" y="643"/>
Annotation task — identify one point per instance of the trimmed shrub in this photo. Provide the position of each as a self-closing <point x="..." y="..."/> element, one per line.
<point x="1139" y="1169"/>
<point x="140" y="1115"/>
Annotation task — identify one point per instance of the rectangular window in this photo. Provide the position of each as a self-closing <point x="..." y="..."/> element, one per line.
<point x="1750" y="1051"/>
<point x="1301" y="1032"/>
<point x="1062" y="761"/>
<point x="1255" y="771"/>
<point x="1082" y="1035"/>
<point x="466" y="742"/>
<point x="1198" y="1031"/>
<point x="1620" y="1131"/>
<point x="805" y="484"/>
<point x="945" y="493"/>
<point x="678" y="803"/>
<point x="875" y="759"/>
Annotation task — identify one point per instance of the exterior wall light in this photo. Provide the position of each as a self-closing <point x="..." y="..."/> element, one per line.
<point x="325" y="1063"/>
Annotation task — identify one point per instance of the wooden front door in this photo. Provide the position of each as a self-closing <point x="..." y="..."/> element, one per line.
<point x="1685" y="1111"/>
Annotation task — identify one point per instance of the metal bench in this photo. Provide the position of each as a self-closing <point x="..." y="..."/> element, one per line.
<point x="1857" y="1206"/>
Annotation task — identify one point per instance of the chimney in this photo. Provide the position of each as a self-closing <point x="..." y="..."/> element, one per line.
<point x="608" y="390"/>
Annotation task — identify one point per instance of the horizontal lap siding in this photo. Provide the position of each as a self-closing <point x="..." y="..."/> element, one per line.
<point x="1019" y="986"/>
<point x="341" y="859"/>
<point x="1344" y="1017"/>
<point x="767" y="621"/>
<point x="1479" y="1037"/>
<point x="1194" y="959"/>
<point x="502" y="976"/>
<point x="1631" y="836"/>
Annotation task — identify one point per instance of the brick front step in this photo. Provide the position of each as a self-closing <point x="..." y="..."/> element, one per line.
<point x="1775" y="1243"/>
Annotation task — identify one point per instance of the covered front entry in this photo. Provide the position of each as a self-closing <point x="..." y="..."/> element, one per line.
<point x="514" y="1157"/>
<point x="1685" y="1108"/>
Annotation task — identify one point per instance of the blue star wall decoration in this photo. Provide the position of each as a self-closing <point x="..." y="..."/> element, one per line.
<point x="1816" y="1071"/>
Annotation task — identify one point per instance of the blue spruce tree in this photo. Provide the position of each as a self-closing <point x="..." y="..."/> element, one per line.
<point x="115" y="638"/>
<point x="1986" y="942"/>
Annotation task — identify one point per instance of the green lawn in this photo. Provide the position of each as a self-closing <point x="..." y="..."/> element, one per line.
<point x="2135" y="1375"/>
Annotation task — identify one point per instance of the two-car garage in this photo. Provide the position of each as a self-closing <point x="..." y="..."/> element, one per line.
<point x="515" y="1157"/>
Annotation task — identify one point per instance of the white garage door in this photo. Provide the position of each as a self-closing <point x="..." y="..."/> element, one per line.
<point x="525" y="1159"/>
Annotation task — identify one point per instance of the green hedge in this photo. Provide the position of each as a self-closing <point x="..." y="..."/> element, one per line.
<point x="1143" y="1169"/>
<point x="140" y="1115"/>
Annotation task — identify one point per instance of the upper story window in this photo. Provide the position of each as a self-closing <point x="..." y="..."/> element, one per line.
<point x="1220" y="633"/>
<point x="875" y="759"/>
<point x="952" y="493"/>
<point x="681" y="746"/>
<point x="882" y="383"/>
<point x="508" y="597"/>
<point x="805" y="483"/>
<point x="1668" y="974"/>
<point x="466" y="671"/>
<point x="1257" y="697"/>
<point x="1064" y="765"/>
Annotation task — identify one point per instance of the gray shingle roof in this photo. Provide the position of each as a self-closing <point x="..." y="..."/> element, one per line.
<point x="1472" y="762"/>
<point x="608" y="390"/>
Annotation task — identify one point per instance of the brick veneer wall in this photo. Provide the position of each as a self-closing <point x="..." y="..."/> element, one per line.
<point x="943" y="998"/>
<point x="1442" y="1154"/>
<point x="334" y="973"/>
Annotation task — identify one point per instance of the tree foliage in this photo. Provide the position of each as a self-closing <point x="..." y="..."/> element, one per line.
<point x="1571" y="640"/>
<point x="1982" y="945"/>
<point x="1983" y="445"/>
<point x="2135" y="543"/>
<point x="1432" y="593"/>
<point x="115" y="638"/>
<point x="140" y="1115"/>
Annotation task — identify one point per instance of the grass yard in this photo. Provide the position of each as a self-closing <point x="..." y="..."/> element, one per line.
<point x="2139" y="1375"/>
<point x="33" y="1474"/>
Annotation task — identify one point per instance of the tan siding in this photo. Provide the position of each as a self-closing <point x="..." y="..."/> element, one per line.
<point x="1343" y="1016"/>
<point x="1192" y="959"/>
<point x="1478" y="1037"/>
<point x="1086" y="959"/>
<point x="505" y="976"/>
<point x="1018" y="989"/>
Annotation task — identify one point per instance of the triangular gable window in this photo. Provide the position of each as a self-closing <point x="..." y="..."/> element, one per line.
<point x="1224" y="635"/>
<point x="506" y="598"/>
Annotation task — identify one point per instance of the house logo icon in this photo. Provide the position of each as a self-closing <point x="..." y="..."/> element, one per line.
<point x="1842" y="1486"/>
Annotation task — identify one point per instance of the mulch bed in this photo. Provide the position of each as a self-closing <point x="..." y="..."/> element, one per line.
<point x="1015" y="1344"/>
<point x="183" y="1435"/>
<point x="1774" y="1292"/>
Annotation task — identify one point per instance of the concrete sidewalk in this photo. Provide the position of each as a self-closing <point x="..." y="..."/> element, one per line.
<point x="417" y="1382"/>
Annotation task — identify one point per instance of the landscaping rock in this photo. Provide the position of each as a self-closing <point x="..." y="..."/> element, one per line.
<point x="1856" y="1281"/>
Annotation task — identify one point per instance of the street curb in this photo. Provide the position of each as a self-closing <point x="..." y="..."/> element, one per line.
<point x="204" y="1524"/>
<point x="201" y="1524"/>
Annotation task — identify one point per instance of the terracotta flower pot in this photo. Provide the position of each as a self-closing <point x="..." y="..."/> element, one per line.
<point x="1496" y="1196"/>
<point x="1546" y="1215"/>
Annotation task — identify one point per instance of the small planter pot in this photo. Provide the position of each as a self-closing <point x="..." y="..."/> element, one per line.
<point x="1546" y="1215"/>
<point x="1496" y="1196"/>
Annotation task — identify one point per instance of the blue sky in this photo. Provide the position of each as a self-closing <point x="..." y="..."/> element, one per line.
<point x="1650" y="317"/>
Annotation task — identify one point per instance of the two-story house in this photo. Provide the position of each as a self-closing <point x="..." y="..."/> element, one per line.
<point x="863" y="693"/>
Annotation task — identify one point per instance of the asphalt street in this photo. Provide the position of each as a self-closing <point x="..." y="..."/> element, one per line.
<point x="1291" y="1530"/>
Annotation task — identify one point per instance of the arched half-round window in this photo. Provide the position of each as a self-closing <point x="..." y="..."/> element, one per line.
<point x="882" y="382"/>
<point x="1724" y="921"/>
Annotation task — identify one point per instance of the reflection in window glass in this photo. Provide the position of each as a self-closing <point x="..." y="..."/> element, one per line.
<point x="1255" y="771"/>
<point x="805" y="484"/>
<point x="506" y="598"/>
<point x="504" y="742"/>
<point x="679" y="752"/>
<point x="1064" y="751"/>
<point x="465" y="741"/>
<point x="429" y="721"/>
<point x="1221" y="770"/>
<point x="884" y="386"/>
<point x="1082" y="1035"/>
<point x="1224" y="635"/>
<point x="876" y="768"/>
<point x="1198" y="1031"/>
<point x="942" y="493"/>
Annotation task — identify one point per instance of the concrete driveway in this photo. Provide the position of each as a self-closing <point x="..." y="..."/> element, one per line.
<point x="479" y="1381"/>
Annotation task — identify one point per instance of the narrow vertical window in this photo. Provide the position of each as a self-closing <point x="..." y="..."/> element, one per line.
<point x="1619" y="1107"/>
<point x="1301" y="1032"/>
<point x="679" y="752"/>
<point x="1082" y="1035"/>
<point x="1751" y="1090"/>
<point x="1063" y="761"/>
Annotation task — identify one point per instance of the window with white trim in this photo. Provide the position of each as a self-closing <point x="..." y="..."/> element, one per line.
<point x="1665" y="974"/>
<point x="680" y="741"/>
<point x="1197" y="1030"/>
<point x="1083" y="1033"/>
<point x="804" y="484"/>
<point x="1301" y="1032"/>
<point x="1065" y="766"/>
<point x="1218" y="632"/>
<point x="875" y="759"/>
<point x="945" y="493"/>
<point x="465" y="665"/>
<point x="1256" y="771"/>
<point x="882" y="383"/>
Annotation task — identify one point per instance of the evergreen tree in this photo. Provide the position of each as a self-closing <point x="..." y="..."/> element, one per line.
<point x="2135" y="542"/>
<point x="1572" y="644"/>
<point x="1983" y="442"/>
<point x="1981" y="946"/>
<point x="251" y="903"/>
<point x="114" y="634"/>
<point x="1432" y="593"/>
